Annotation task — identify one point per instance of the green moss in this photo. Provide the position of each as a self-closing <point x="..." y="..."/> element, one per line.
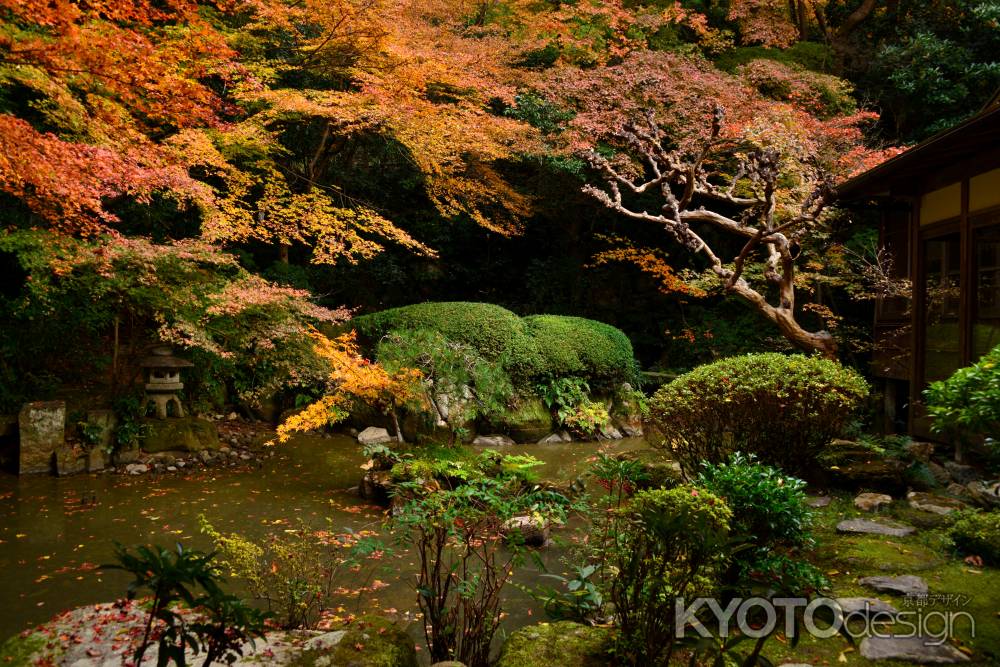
<point x="562" y="644"/>
<point x="22" y="650"/>
<point x="529" y="421"/>
<point x="188" y="434"/>
<point x="811" y="55"/>
<point x="371" y="641"/>
<point x="978" y="534"/>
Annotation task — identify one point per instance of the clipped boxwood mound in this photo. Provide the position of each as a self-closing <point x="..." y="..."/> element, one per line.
<point x="530" y="349"/>
<point x="783" y="408"/>
<point x="582" y="347"/>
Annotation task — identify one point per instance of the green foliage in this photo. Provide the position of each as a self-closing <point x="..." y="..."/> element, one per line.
<point x="452" y="369"/>
<point x="467" y="555"/>
<point x="569" y="399"/>
<point x="529" y="349"/>
<point x="968" y="403"/>
<point x="535" y="110"/>
<point x="580" y="598"/>
<point x="131" y="429"/>
<point x="596" y="351"/>
<point x="174" y="577"/>
<point x="292" y="571"/>
<point x="768" y="506"/>
<point x="810" y="55"/>
<point x="978" y="534"/>
<point x="666" y="544"/>
<point x="116" y="297"/>
<point x="782" y="408"/>
<point x="453" y="467"/>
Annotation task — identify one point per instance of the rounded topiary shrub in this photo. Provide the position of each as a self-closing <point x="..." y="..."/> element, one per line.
<point x="782" y="408"/>
<point x="586" y="348"/>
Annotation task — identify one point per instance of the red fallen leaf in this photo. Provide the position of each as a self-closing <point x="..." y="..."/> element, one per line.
<point x="93" y="653"/>
<point x="359" y="647"/>
<point x="975" y="561"/>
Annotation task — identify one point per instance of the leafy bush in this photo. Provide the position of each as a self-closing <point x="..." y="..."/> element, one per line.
<point x="768" y="507"/>
<point x="667" y="544"/>
<point x="467" y="556"/>
<point x="770" y="514"/>
<point x="463" y="385"/>
<point x="978" y="534"/>
<point x="968" y="403"/>
<point x="569" y="399"/>
<point x="534" y="348"/>
<point x="782" y="408"/>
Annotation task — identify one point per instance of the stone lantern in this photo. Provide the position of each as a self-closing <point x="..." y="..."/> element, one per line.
<point x="163" y="381"/>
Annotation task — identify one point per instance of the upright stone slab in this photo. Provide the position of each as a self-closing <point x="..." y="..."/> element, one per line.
<point x="42" y="428"/>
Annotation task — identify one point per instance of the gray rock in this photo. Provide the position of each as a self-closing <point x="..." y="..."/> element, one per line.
<point x="865" y="526"/>
<point x="70" y="461"/>
<point x="929" y="502"/>
<point x="940" y="473"/>
<point x="920" y="650"/>
<point x="136" y="468"/>
<point x="171" y="468"/>
<point x="42" y="428"/>
<point x="818" y="502"/>
<point x="325" y="641"/>
<point x="962" y="474"/>
<point x="495" y="440"/>
<point x="374" y="435"/>
<point x="632" y="430"/>
<point x="872" y="502"/>
<point x="551" y="439"/>
<point x="449" y="663"/>
<point x="96" y="459"/>
<point x="907" y="584"/>
<point x="533" y="531"/>
<point x="795" y="664"/>
<point x="610" y="433"/>
<point x="986" y="495"/>
<point x="872" y="607"/>
<point x="920" y="451"/>
<point x="106" y="423"/>
<point x="126" y="456"/>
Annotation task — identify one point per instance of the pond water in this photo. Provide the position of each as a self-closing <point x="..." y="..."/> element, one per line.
<point x="55" y="531"/>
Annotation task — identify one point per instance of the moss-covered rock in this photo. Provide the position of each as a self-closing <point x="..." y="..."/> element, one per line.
<point x="371" y="641"/>
<point x="188" y="434"/>
<point x="530" y="421"/>
<point x="562" y="644"/>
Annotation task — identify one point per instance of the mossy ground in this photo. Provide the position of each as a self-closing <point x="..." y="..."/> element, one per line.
<point x="561" y="643"/>
<point x="21" y="650"/>
<point x="928" y="554"/>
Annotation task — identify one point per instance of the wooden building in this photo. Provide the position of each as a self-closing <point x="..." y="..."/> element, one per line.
<point x="940" y="225"/>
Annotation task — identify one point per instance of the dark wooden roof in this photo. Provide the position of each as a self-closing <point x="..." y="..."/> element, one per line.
<point x="935" y="161"/>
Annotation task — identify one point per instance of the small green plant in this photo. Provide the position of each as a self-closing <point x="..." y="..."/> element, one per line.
<point x="966" y="406"/>
<point x="784" y="409"/>
<point x="295" y="571"/>
<point x="977" y="533"/>
<point x="131" y="430"/>
<point x="175" y="577"/>
<point x="568" y="398"/>
<point x="579" y="598"/>
<point x="90" y="433"/>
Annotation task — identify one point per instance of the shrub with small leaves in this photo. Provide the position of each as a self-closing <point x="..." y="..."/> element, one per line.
<point x="784" y="409"/>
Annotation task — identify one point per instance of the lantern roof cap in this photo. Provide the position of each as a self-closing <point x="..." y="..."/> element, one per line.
<point x="162" y="357"/>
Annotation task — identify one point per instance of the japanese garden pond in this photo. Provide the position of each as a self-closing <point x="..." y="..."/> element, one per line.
<point x="55" y="531"/>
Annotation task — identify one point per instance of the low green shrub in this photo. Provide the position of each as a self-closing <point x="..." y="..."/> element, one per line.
<point x="782" y="408"/>
<point x="978" y="534"/>
<point x="768" y="507"/>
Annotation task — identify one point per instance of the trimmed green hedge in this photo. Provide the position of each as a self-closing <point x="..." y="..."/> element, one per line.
<point x="531" y="349"/>
<point x="784" y="409"/>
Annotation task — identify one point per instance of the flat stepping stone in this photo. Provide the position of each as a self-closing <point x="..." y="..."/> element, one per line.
<point x="870" y="607"/>
<point x="818" y="501"/>
<point x="908" y="584"/>
<point x="919" y="650"/>
<point x="928" y="502"/>
<point x="868" y="527"/>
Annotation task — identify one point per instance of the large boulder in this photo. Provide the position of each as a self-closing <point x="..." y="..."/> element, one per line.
<point x="528" y="422"/>
<point x="187" y="434"/>
<point x="42" y="429"/>
<point x="562" y="644"/>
